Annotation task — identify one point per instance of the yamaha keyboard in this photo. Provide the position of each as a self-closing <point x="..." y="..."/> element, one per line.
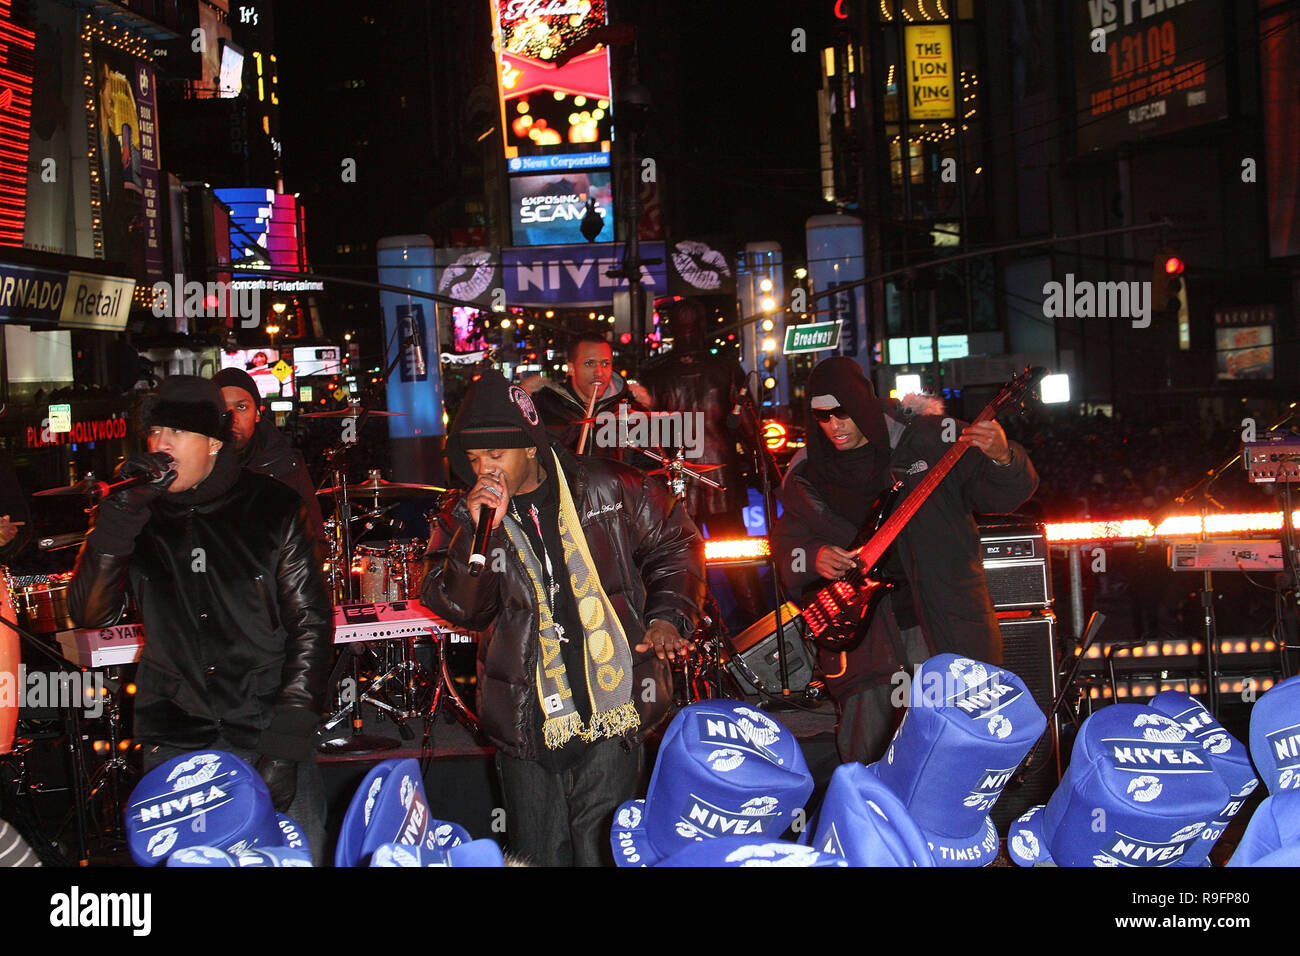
<point x="388" y="620"/>
<point x="103" y="646"/>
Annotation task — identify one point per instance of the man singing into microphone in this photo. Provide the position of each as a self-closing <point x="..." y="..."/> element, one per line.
<point x="238" y="625"/>
<point x="592" y="582"/>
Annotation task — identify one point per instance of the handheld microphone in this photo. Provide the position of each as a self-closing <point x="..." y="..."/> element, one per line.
<point x="482" y="531"/>
<point x="102" y="489"/>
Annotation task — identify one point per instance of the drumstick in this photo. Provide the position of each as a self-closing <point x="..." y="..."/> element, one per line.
<point x="596" y="389"/>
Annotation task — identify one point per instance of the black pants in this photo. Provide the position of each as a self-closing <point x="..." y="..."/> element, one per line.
<point x="307" y="809"/>
<point x="563" y="819"/>
<point x="869" y="716"/>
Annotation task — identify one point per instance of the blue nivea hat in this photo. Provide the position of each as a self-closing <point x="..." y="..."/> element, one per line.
<point x="967" y="728"/>
<point x="724" y="769"/>
<point x="747" y="851"/>
<point x="479" y="853"/>
<point x="205" y="798"/>
<point x="1275" y="826"/>
<point x="1275" y="736"/>
<point x="1228" y="755"/>
<point x="390" y="807"/>
<point x="1139" y="792"/>
<point x="862" y="821"/>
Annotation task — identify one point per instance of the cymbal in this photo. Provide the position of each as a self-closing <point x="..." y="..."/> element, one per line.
<point x="353" y="413"/>
<point x="377" y="487"/>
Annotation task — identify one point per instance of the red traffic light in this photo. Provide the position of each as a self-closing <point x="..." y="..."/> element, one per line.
<point x="1173" y="266"/>
<point x="625" y="338"/>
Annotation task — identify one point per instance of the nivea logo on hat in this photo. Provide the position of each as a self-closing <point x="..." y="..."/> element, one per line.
<point x="739" y="851"/>
<point x="724" y="769"/>
<point x="1284" y="744"/>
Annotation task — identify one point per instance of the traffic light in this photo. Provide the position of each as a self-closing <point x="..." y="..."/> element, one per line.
<point x="769" y="371"/>
<point x="1168" y="291"/>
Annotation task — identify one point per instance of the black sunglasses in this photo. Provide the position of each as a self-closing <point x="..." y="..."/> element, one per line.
<point x="824" y="414"/>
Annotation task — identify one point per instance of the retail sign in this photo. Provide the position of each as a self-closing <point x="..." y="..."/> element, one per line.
<point x="811" y="337"/>
<point x="68" y="300"/>
<point x="930" y="72"/>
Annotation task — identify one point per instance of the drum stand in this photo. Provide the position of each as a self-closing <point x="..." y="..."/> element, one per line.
<point x="445" y="699"/>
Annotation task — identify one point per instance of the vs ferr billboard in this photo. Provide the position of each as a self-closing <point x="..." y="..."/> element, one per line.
<point x="548" y="210"/>
<point x="545" y="108"/>
<point x="1143" y="69"/>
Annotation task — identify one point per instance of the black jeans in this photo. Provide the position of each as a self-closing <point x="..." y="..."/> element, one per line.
<point x="307" y="809"/>
<point x="563" y="819"/>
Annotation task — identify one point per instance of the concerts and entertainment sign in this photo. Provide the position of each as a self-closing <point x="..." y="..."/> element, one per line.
<point x="548" y="109"/>
<point x="1143" y="69"/>
<point x="548" y="210"/>
<point x="575" y="275"/>
<point x="930" y="73"/>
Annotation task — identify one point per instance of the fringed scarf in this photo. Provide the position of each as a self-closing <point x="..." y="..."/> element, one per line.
<point x="607" y="656"/>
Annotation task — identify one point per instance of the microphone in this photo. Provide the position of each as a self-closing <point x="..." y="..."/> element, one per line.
<point x="482" y="532"/>
<point x="102" y="489"/>
<point x="417" y="354"/>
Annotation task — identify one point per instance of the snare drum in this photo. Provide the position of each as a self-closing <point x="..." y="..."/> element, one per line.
<point x="389" y="571"/>
<point x="44" y="607"/>
<point x="10" y="658"/>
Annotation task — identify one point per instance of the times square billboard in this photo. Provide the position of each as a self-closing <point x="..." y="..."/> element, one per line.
<point x="548" y="110"/>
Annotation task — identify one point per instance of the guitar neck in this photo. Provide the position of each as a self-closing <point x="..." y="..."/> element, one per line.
<point x="874" y="550"/>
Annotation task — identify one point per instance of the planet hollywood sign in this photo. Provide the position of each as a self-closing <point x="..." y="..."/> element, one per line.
<point x="99" y="429"/>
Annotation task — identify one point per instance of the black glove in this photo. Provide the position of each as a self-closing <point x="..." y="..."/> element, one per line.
<point x="157" y="466"/>
<point x="281" y="778"/>
<point x="122" y="515"/>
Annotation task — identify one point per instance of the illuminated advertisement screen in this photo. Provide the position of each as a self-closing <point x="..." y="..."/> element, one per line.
<point x="262" y="220"/>
<point x="548" y="109"/>
<point x="264" y="368"/>
<point x="231" y="81"/>
<point x="1145" y="69"/>
<point x="467" y="334"/>
<point x="316" y="360"/>
<point x="1243" y="342"/>
<point x="548" y="210"/>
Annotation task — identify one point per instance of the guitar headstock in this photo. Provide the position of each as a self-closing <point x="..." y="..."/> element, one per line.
<point x="1019" y="390"/>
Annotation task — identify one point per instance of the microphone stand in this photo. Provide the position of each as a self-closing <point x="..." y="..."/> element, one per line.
<point x="765" y="465"/>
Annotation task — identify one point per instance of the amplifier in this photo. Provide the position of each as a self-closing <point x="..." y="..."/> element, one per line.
<point x="1016" y="566"/>
<point x="1029" y="652"/>
<point x="755" y="647"/>
<point x="1226" y="555"/>
<point x="1272" y="461"/>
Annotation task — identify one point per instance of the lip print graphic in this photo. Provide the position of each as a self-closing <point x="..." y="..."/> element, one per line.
<point x="700" y="265"/>
<point x="477" y="266"/>
<point x="1025" y="843"/>
<point x="1145" y="788"/>
<point x="190" y="773"/>
<point x="725" y="759"/>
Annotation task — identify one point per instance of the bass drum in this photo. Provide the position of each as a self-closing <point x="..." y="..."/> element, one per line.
<point x="10" y="658"/>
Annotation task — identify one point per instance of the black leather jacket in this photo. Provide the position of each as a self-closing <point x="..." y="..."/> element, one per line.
<point x="651" y="561"/>
<point x="237" y="619"/>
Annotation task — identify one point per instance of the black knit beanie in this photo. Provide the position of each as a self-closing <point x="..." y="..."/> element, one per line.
<point x="188" y="403"/>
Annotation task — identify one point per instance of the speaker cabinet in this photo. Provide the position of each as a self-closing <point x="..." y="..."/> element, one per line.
<point x="1029" y="651"/>
<point x="1016" y="566"/>
<point x="753" y="654"/>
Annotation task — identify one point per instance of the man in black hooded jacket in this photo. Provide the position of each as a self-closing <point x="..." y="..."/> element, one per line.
<point x="221" y="562"/>
<point x="592" y="583"/>
<point x="857" y="446"/>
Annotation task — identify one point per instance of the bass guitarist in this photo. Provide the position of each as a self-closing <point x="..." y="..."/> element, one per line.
<point x="857" y="447"/>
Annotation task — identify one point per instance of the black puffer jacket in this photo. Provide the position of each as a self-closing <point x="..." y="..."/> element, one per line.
<point x="237" y="619"/>
<point x="562" y="412"/>
<point x="651" y="562"/>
